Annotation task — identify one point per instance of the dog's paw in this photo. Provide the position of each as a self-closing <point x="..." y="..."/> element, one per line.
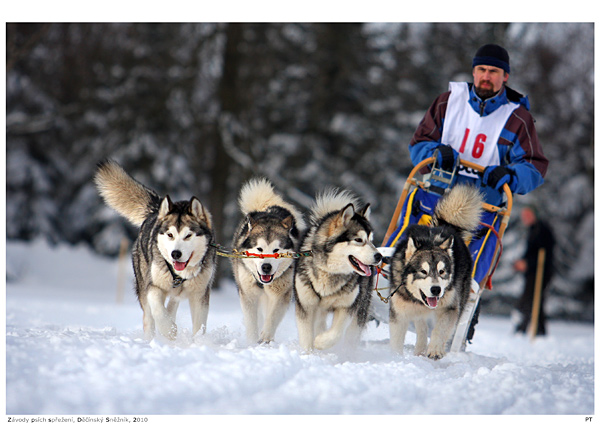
<point x="168" y="330"/>
<point x="324" y="341"/>
<point x="420" y="350"/>
<point x="199" y="331"/>
<point x="306" y="345"/>
<point x="436" y="349"/>
<point x="435" y="356"/>
<point x="435" y="353"/>
<point x="397" y="347"/>
<point x="265" y="338"/>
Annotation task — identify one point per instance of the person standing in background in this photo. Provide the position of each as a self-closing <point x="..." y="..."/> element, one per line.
<point x="540" y="236"/>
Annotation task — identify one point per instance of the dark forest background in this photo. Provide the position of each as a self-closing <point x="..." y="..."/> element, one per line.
<point x="196" y="109"/>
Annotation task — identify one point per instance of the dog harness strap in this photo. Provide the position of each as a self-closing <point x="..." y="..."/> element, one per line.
<point x="387" y="299"/>
<point x="246" y="254"/>
<point x="177" y="280"/>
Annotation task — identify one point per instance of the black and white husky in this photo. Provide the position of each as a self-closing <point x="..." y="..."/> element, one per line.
<point x="270" y="227"/>
<point x="338" y="277"/>
<point x="431" y="273"/>
<point x="174" y="254"/>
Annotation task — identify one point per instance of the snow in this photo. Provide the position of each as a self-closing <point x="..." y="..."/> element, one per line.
<point x="74" y="346"/>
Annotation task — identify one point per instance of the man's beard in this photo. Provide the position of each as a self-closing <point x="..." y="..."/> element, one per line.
<point x="485" y="93"/>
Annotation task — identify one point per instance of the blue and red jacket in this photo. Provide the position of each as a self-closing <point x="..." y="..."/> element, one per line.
<point x="518" y="145"/>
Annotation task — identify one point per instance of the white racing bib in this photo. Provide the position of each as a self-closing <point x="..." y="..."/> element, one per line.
<point x="474" y="137"/>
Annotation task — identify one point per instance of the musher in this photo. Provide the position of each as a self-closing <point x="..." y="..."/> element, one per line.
<point x="487" y="123"/>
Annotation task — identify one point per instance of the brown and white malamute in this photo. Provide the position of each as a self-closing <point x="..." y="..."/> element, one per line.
<point x="431" y="273"/>
<point x="174" y="254"/>
<point x="270" y="227"/>
<point x="338" y="277"/>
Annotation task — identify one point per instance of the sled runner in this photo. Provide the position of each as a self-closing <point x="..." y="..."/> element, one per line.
<point x="415" y="206"/>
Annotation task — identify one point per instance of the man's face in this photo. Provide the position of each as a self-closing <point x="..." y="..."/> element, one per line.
<point x="488" y="80"/>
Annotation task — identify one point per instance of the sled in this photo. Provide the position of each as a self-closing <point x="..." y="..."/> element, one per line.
<point x="415" y="206"/>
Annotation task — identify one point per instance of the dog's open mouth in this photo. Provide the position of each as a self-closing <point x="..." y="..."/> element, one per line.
<point x="360" y="267"/>
<point x="431" y="302"/>
<point x="265" y="279"/>
<point x="179" y="266"/>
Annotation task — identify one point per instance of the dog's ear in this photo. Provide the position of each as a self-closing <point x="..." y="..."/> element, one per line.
<point x="200" y="212"/>
<point x="411" y="248"/>
<point x="447" y="243"/>
<point x="249" y="225"/>
<point x="366" y="211"/>
<point x="287" y="222"/>
<point x="166" y="206"/>
<point x="346" y="214"/>
<point x="341" y="220"/>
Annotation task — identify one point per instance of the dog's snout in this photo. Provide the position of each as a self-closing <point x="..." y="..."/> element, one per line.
<point x="266" y="268"/>
<point x="176" y="254"/>
<point x="378" y="257"/>
<point x="436" y="290"/>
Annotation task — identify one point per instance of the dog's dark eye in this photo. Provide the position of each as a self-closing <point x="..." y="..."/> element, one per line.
<point x="359" y="240"/>
<point x="259" y="249"/>
<point x="188" y="236"/>
<point x="424" y="272"/>
<point x="170" y="235"/>
<point x="442" y="271"/>
<point x="275" y="250"/>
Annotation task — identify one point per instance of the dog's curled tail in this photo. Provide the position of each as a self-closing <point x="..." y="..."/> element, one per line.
<point x="461" y="208"/>
<point x="124" y="194"/>
<point x="258" y="194"/>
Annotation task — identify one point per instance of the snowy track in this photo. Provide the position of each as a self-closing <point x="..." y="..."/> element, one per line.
<point x="72" y="349"/>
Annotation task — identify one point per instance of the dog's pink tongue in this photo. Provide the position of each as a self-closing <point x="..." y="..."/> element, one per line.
<point x="266" y="278"/>
<point x="432" y="301"/>
<point x="365" y="268"/>
<point x="179" y="266"/>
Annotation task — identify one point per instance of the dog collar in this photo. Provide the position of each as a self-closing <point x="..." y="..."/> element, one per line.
<point x="177" y="280"/>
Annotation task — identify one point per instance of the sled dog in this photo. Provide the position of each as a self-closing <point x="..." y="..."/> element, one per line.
<point x="270" y="226"/>
<point x="338" y="277"/>
<point x="173" y="255"/>
<point x="431" y="273"/>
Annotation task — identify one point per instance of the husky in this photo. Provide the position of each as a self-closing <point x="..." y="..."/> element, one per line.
<point x="338" y="277"/>
<point x="174" y="254"/>
<point x="270" y="227"/>
<point x="430" y="273"/>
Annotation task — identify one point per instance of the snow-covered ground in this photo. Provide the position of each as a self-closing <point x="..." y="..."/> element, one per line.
<point x="73" y="349"/>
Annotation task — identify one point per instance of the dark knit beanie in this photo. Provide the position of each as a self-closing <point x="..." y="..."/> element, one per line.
<point x="494" y="55"/>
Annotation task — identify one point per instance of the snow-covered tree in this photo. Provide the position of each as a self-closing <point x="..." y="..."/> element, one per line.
<point x="197" y="108"/>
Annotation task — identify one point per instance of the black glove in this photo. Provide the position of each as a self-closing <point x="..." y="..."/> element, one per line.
<point x="446" y="157"/>
<point x="496" y="176"/>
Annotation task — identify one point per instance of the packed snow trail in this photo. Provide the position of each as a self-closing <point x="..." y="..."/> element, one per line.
<point x="71" y="349"/>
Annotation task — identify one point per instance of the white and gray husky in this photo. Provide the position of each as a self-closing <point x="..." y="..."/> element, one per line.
<point x="431" y="273"/>
<point x="173" y="255"/>
<point x="270" y="227"/>
<point x="338" y="277"/>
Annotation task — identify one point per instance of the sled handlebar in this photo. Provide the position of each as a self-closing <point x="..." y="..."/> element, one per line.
<point x="412" y="181"/>
<point x="509" y="198"/>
